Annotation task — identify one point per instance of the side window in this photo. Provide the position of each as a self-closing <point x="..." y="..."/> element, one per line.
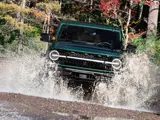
<point x="63" y="33"/>
<point x="68" y="33"/>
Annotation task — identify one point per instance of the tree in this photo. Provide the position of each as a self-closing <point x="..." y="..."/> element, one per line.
<point x="82" y="10"/>
<point x="153" y="18"/>
<point x="27" y="21"/>
<point x="20" y="18"/>
<point x="122" y="11"/>
<point x="24" y="20"/>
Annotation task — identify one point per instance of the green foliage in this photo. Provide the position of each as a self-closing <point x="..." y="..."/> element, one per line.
<point x="34" y="18"/>
<point x="49" y="6"/>
<point x="151" y="46"/>
<point x="10" y="28"/>
<point x="7" y="35"/>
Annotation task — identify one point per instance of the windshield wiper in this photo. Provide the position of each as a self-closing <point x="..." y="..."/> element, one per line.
<point x="104" y="44"/>
<point x="76" y="41"/>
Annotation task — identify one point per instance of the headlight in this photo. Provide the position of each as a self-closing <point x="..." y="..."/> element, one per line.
<point x="117" y="64"/>
<point x="54" y="55"/>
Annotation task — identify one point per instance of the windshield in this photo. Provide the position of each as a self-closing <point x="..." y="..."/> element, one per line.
<point x="93" y="36"/>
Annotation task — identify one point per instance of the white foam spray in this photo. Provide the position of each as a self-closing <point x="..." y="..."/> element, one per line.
<point x="30" y="75"/>
<point x="134" y="87"/>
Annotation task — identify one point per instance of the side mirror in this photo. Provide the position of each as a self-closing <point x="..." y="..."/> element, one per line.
<point x="48" y="37"/>
<point x="45" y="37"/>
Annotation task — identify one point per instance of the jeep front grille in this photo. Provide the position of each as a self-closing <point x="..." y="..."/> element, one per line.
<point x="86" y="64"/>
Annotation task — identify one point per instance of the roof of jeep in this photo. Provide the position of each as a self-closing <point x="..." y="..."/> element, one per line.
<point x="90" y="25"/>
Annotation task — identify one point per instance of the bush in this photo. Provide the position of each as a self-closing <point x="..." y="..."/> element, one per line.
<point x="149" y="45"/>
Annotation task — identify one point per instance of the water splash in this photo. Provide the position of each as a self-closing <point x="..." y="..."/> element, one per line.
<point x="133" y="88"/>
<point x="29" y="75"/>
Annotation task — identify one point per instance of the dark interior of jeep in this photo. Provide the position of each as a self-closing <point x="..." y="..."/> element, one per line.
<point x="92" y="36"/>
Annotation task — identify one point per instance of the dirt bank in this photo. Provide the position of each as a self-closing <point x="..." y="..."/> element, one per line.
<point x="49" y="109"/>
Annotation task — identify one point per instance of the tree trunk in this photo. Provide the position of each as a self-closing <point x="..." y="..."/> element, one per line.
<point x="141" y="11"/>
<point x="91" y="7"/>
<point x="153" y="18"/>
<point x="127" y="25"/>
<point x="20" y="18"/>
<point x="46" y="28"/>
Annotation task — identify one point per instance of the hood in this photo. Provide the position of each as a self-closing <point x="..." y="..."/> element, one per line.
<point x="85" y="48"/>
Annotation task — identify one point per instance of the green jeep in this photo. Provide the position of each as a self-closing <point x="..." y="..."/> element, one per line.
<point x="85" y="51"/>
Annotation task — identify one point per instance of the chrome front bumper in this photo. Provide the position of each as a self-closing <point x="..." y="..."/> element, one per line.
<point x="116" y="63"/>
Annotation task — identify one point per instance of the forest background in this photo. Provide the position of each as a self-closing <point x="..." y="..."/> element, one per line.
<point x="22" y="21"/>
